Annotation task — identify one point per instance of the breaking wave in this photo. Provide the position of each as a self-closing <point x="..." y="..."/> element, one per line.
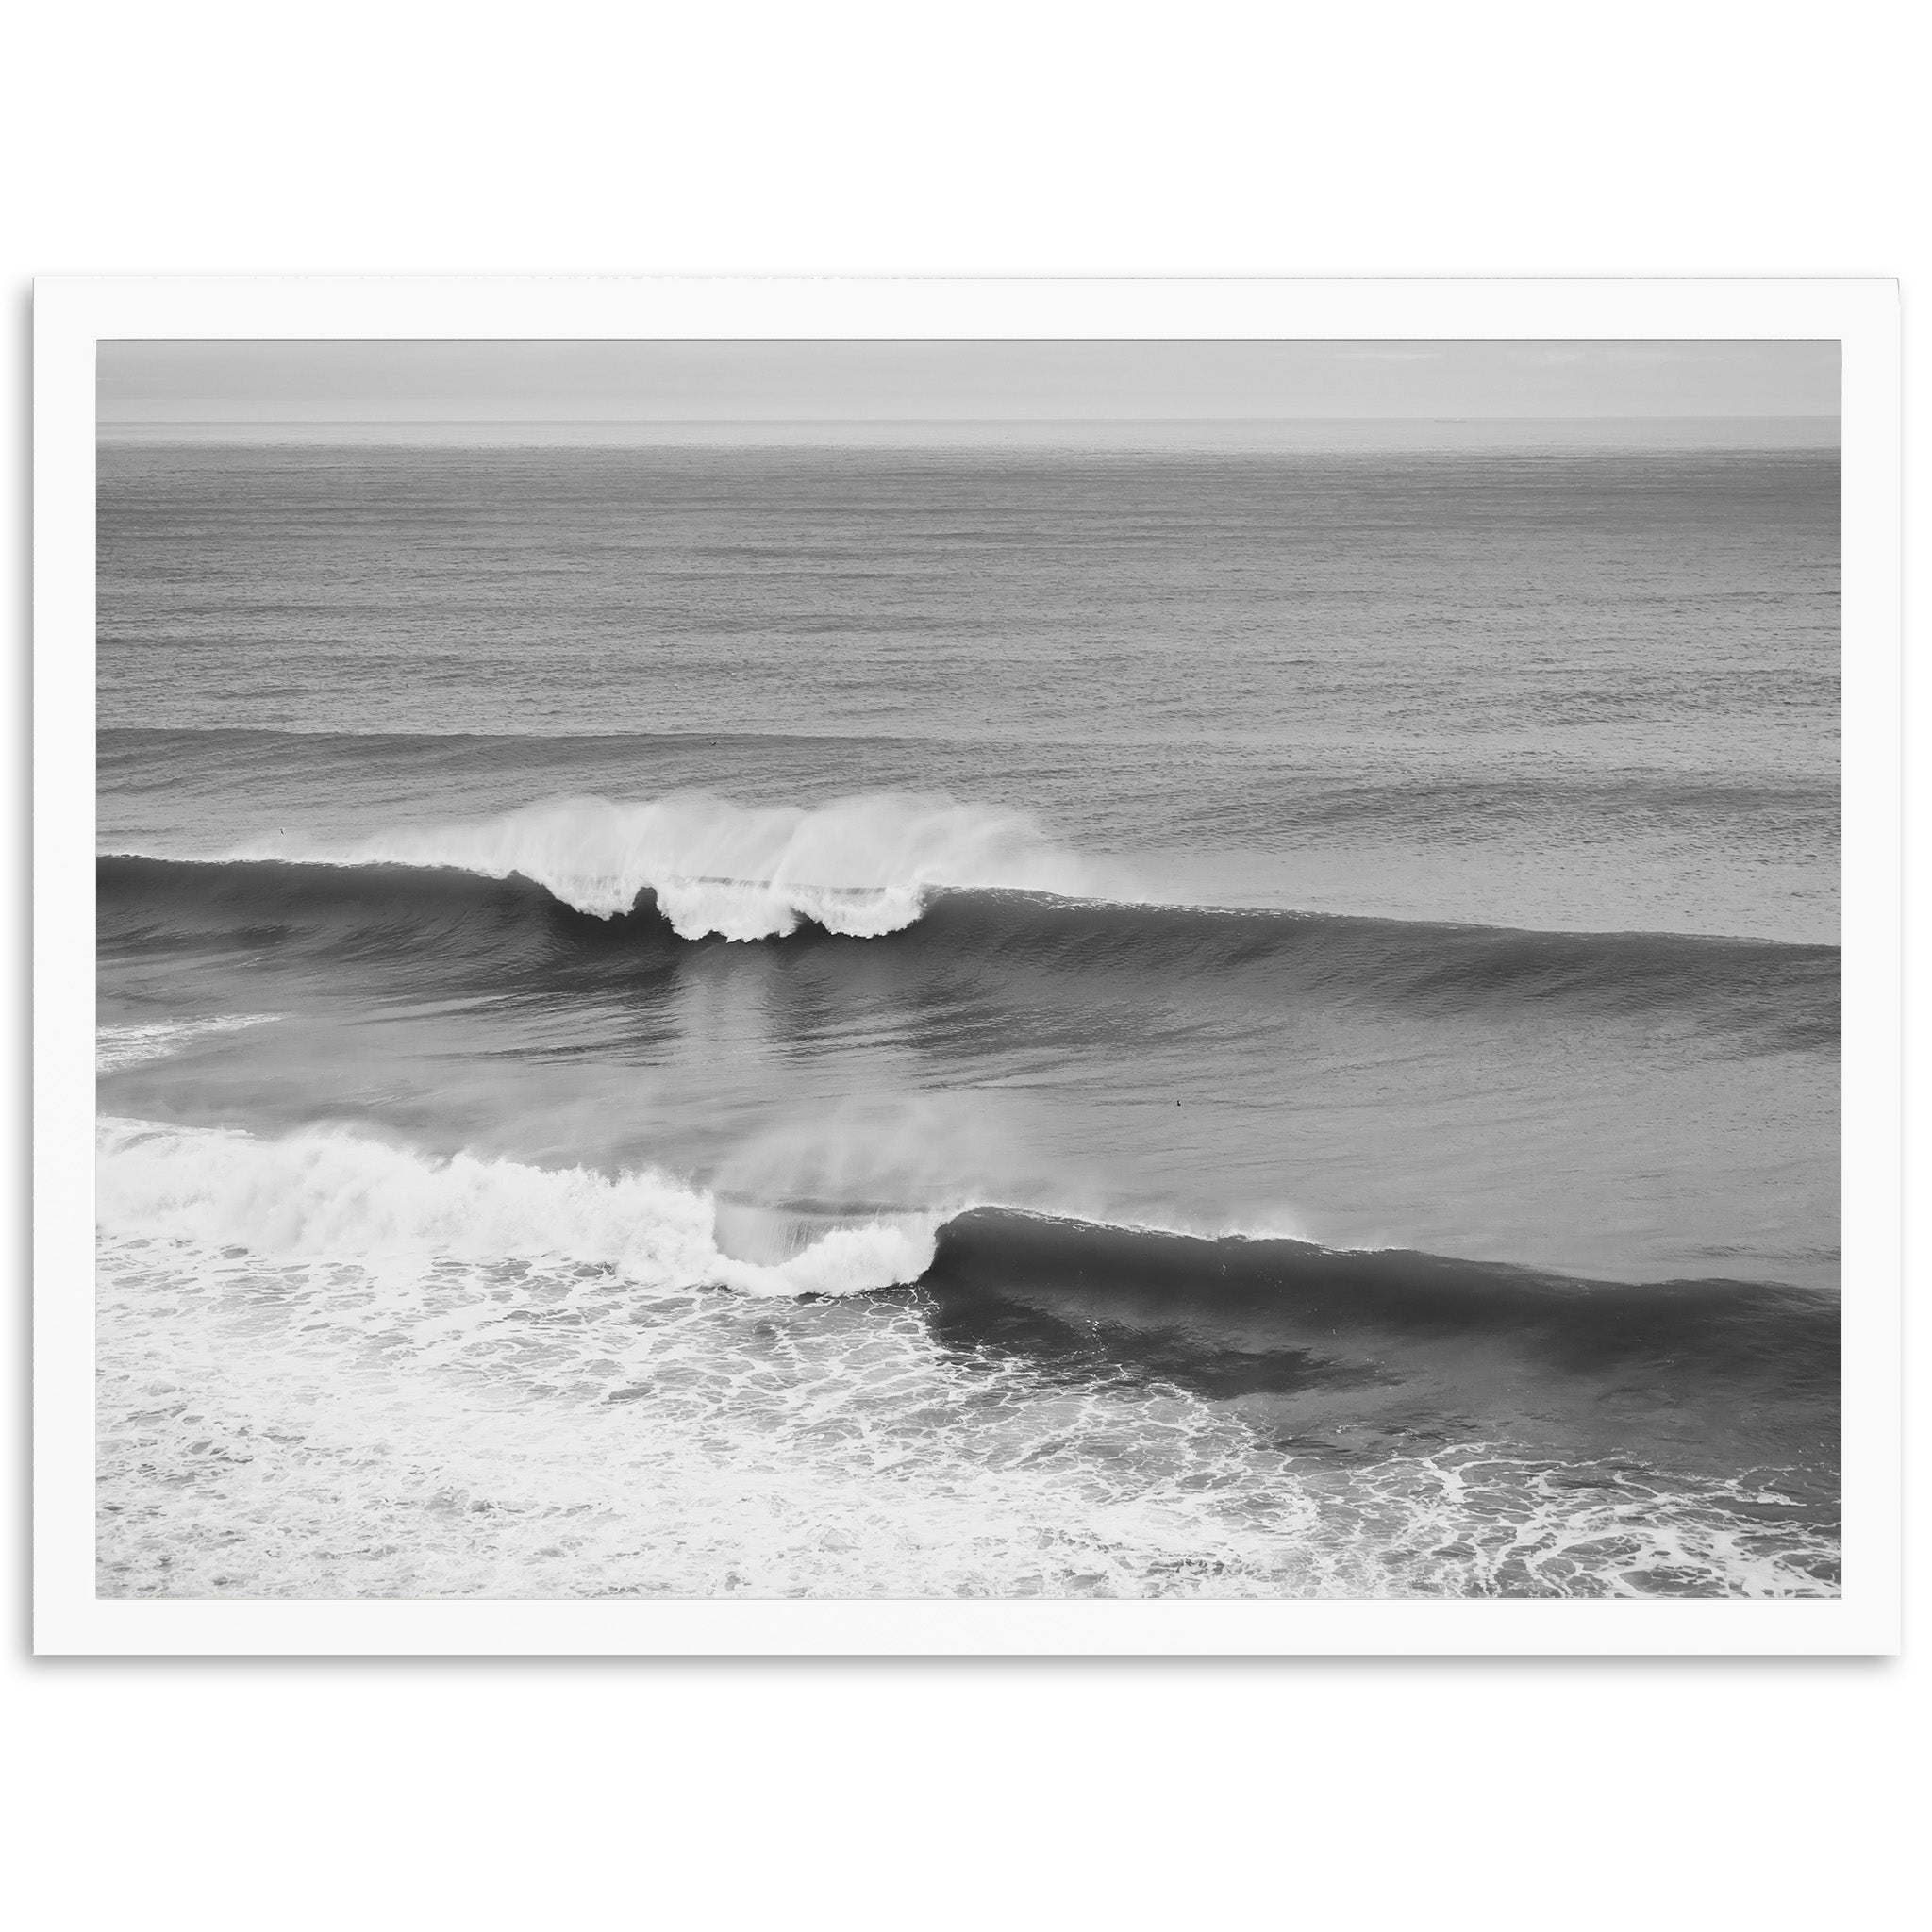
<point x="859" y="866"/>
<point x="326" y="1194"/>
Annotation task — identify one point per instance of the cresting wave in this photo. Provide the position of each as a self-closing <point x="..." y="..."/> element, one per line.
<point x="858" y="866"/>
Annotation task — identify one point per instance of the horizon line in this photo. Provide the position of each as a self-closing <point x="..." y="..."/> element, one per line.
<point x="885" y="422"/>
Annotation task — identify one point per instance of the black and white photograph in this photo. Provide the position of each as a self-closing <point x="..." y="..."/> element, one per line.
<point x="968" y="969"/>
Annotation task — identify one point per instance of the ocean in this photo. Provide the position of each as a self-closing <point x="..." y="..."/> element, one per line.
<point x="928" y="1021"/>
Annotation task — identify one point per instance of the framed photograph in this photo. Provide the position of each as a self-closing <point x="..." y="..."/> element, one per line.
<point x="978" y="967"/>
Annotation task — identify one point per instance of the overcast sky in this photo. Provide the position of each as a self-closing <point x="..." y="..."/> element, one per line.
<point x="971" y="382"/>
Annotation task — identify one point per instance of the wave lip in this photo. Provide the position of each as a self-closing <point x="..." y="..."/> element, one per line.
<point x="859" y="866"/>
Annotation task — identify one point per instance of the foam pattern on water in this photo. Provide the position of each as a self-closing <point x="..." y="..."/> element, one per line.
<point x="120" y="1047"/>
<point x="550" y="1429"/>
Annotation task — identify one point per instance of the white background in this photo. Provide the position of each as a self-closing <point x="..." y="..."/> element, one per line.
<point x="1688" y="139"/>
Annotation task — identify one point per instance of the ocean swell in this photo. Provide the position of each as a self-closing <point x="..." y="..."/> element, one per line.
<point x="1239" y="1313"/>
<point x="443" y="928"/>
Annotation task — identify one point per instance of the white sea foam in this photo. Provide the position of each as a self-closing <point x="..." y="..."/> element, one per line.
<point x="328" y="1194"/>
<point x="321" y="1429"/>
<point x="118" y="1046"/>
<point x="859" y="866"/>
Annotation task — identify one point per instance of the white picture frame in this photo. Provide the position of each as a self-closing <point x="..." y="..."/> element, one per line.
<point x="73" y="314"/>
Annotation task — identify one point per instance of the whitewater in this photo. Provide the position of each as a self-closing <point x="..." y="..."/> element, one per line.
<point x="859" y="866"/>
<point x="324" y="1194"/>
